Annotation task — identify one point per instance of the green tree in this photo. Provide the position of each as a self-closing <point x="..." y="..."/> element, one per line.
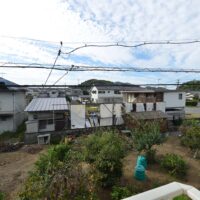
<point x="145" y="137"/>
<point x="104" y="151"/>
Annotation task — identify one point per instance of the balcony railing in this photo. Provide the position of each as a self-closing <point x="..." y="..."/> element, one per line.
<point x="168" y="192"/>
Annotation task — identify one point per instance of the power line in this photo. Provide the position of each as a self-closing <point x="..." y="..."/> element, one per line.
<point x="64" y="75"/>
<point x="114" y="85"/>
<point x="80" y="68"/>
<point x="144" y="43"/>
<point x="103" y="42"/>
<point x="59" y="52"/>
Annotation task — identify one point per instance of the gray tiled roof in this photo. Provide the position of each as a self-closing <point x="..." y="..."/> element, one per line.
<point x="47" y="104"/>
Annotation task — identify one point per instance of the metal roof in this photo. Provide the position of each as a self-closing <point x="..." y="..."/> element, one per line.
<point x="47" y="104"/>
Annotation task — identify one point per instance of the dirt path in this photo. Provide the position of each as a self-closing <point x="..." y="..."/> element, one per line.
<point x="14" y="168"/>
<point x="155" y="174"/>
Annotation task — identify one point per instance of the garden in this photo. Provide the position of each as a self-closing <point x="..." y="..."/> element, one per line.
<point x="102" y="165"/>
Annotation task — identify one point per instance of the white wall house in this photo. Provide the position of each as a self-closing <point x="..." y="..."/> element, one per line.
<point x="171" y="102"/>
<point x="109" y="94"/>
<point x="175" y="104"/>
<point x="12" y="104"/>
<point x="47" y="114"/>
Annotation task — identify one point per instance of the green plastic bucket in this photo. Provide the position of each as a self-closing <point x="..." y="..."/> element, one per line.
<point x="139" y="173"/>
<point x="141" y="160"/>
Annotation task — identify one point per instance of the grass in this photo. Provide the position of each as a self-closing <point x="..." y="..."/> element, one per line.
<point x="2" y="195"/>
<point x="182" y="197"/>
<point x="19" y="134"/>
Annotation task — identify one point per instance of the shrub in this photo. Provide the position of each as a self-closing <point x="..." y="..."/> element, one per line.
<point x="104" y="150"/>
<point x="192" y="103"/>
<point x="59" y="174"/>
<point x="119" y="193"/>
<point x="175" y="165"/>
<point x="191" y="139"/>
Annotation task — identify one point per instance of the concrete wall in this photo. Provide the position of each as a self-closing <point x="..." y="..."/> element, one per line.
<point x="160" y="106"/>
<point x="6" y="125"/>
<point x="77" y="116"/>
<point x="6" y="102"/>
<point x="172" y="100"/>
<point x="13" y="103"/>
<point x="32" y="126"/>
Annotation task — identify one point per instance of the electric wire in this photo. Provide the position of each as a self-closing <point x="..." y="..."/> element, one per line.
<point x="59" y="52"/>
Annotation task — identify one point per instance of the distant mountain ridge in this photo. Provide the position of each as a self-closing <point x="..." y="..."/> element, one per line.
<point x="98" y="82"/>
<point x="191" y="85"/>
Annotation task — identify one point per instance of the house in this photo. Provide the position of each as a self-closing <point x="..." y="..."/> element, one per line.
<point x="108" y="94"/>
<point x="71" y="93"/>
<point x="12" y="104"/>
<point x="47" y="114"/>
<point x="171" y="102"/>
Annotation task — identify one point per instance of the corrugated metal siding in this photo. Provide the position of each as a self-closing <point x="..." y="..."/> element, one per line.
<point x="47" y="104"/>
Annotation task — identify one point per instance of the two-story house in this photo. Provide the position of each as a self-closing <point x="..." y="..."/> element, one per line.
<point x="109" y="94"/>
<point x="171" y="102"/>
<point x="12" y="104"/>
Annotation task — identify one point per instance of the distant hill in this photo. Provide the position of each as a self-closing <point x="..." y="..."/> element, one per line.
<point x="191" y="85"/>
<point x="97" y="82"/>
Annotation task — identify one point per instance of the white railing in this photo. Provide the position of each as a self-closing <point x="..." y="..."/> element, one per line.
<point x="168" y="192"/>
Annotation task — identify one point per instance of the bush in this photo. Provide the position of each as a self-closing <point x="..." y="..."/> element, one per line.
<point x="191" y="139"/>
<point x="192" y="103"/>
<point x="119" y="193"/>
<point x="175" y="165"/>
<point x="59" y="174"/>
<point x="104" y="150"/>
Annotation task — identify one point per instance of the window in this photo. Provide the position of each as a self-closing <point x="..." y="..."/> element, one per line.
<point x="42" y="124"/>
<point x="94" y="92"/>
<point x="102" y="92"/>
<point x="108" y="91"/>
<point x="35" y="116"/>
<point x="134" y="107"/>
<point x="117" y="92"/>
<point x="180" y="96"/>
<point x="136" y="95"/>
<point x="50" y="121"/>
<point x="3" y="118"/>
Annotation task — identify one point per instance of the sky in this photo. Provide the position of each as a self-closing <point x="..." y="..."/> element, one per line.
<point x="31" y="31"/>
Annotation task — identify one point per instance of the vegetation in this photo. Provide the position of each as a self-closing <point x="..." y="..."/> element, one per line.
<point x="175" y="165"/>
<point x="59" y="174"/>
<point x="104" y="150"/>
<point x="19" y="134"/>
<point x="96" y="82"/>
<point x="191" y="139"/>
<point x="192" y="103"/>
<point x="191" y="85"/>
<point x="119" y="193"/>
<point x="2" y="196"/>
<point x="145" y="137"/>
<point x="181" y="197"/>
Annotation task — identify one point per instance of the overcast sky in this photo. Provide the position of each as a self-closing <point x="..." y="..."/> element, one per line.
<point x="30" y="32"/>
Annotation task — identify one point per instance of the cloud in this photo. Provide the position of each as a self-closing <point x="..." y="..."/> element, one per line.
<point x="48" y="22"/>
